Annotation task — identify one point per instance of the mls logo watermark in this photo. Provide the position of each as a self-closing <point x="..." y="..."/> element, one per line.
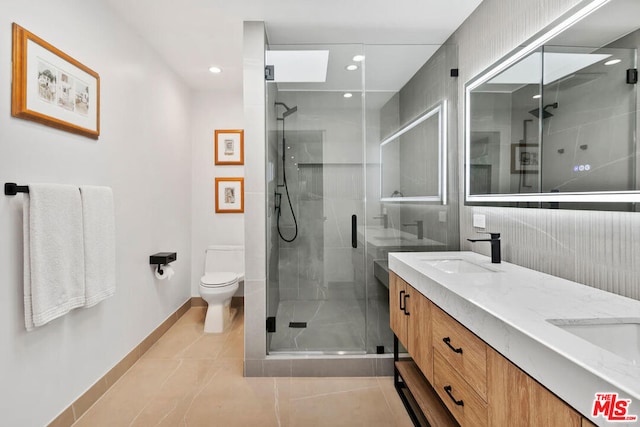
<point x="612" y="408"/>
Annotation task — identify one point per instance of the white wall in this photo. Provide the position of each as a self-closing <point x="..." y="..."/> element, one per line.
<point x="211" y="111"/>
<point x="144" y="154"/>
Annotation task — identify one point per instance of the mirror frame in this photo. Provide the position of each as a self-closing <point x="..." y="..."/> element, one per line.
<point x="441" y="110"/>
<point x="565" y="21"/>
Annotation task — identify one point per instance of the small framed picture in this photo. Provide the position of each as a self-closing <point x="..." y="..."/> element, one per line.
<point x="229" y="195"/>
<point x="524" y="158"/>
<point x="229" y="147"/>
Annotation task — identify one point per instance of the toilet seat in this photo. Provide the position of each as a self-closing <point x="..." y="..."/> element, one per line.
<point x="218" y="279"/>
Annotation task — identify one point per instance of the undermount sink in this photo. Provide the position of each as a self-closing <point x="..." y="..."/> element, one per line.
<point x="456" y="265"/>
<point x="620" y="336"/>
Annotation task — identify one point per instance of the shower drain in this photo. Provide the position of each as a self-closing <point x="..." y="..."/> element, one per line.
<point x="297" y="324"/>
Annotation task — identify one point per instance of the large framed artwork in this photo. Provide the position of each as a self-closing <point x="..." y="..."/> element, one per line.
<point x="229" y="147"/>
<point x="229" y="195"/>
<point x="52" y="88"/>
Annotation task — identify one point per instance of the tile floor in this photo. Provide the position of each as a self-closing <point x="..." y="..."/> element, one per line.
<point x="332" y="325"/>
<point x="189" y="378"/>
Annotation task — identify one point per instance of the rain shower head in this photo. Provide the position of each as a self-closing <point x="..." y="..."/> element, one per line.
<point x="545" y="113"/>
<point x="289" y="110"/>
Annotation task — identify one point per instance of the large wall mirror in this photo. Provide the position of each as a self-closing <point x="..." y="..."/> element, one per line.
<point x="555" y="124"/>
<point x="413" y="160"/>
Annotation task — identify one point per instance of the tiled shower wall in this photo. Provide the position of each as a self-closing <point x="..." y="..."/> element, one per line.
<point x="595" y="248"/>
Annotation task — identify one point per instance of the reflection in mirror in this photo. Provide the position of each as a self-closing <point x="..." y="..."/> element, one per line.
<point x="558" y="122"/>
<point x="413" y="160"/>
<point x="588" y="134"/>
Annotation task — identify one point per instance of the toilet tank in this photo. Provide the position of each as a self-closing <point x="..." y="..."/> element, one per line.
<point x="224" y="258"/>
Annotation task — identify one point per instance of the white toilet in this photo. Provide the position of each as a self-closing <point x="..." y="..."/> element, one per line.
<point x="223" y="271"/>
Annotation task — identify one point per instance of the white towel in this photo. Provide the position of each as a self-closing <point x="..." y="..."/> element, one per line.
<point x="53" y="253"/>
<point x="99" y="243"/>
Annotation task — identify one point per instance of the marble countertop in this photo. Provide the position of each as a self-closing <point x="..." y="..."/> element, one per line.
<point x="509" y="308"/>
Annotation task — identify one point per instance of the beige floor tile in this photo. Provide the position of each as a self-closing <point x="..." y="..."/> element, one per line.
<point x="178" y="338"/>
<point x="135" y="390"/>
<point x="229" y="400"/>
<point x="308" y="387"/>
<point x="234" y="347"/>
<point x="208" y="346"/>
<point x="189" y="378"/>
<point x="172" y="400"/>
<point x="395" y="404"/>
<point x="363" y="407"/>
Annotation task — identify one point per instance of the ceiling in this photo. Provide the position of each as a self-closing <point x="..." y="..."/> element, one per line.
<point x="193" y="35"/>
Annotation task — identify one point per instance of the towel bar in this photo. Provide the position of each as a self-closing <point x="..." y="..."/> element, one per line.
<point x="11" y="189"/>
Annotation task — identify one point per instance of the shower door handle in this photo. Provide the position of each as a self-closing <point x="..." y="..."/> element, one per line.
<point x="354" y="233"/>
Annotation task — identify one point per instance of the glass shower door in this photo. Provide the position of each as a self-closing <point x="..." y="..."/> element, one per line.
<point x="316" y="295"/>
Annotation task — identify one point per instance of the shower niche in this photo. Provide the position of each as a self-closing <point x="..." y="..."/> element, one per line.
<point x="554" y="124"/>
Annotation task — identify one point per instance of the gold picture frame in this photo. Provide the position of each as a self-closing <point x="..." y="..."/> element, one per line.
<point x="229" y="195"/>
<point x="52" y="88"/>
<point x="229" y="147"/>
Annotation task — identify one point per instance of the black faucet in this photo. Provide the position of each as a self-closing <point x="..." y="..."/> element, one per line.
<point x="495" y="246"/>
<point x="419" y="225"/>
<point x="385" y="219"/>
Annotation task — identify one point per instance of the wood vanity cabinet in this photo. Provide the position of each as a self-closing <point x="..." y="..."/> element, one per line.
<point x="460" y="369"/>
<point x="410" y="316"/>
<point x="517" y="399"/>
<point x="478" y="386"/>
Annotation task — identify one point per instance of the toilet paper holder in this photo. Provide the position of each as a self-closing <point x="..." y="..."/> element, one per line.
<point x="162" y="258"/>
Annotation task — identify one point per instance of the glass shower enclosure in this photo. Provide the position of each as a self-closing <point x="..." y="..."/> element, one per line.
<point x="330" y="110"/>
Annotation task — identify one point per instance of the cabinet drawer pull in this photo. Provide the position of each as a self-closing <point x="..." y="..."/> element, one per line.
<point x="457" y="402"/>
<point x="447" y="341"/>
<point x="402" y="300"/>
<point x="405" y="304"/>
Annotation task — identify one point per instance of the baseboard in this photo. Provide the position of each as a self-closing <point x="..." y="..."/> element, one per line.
<point x="199" y="302"/>
<point x="72" y="413"/>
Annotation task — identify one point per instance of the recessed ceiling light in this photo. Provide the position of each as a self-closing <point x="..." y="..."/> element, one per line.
<point x="215" y="70"/>
<point x="348" y="95"/>
<point x="538" y="96"/>
<point x="358" y="58"/>
<point x="613" y="62"/>
<point x="351" y="67"/>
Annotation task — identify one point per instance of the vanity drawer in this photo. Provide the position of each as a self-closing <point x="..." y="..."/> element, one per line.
<point x="461" y="400"/>
<point x="465" y="352"/>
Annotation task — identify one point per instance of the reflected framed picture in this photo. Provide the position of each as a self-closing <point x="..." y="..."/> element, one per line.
<point x="525" y="158"/>
<point x="229" y="195"/>
<point x="229" y="147"/>
<point x="52" y="88"/>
